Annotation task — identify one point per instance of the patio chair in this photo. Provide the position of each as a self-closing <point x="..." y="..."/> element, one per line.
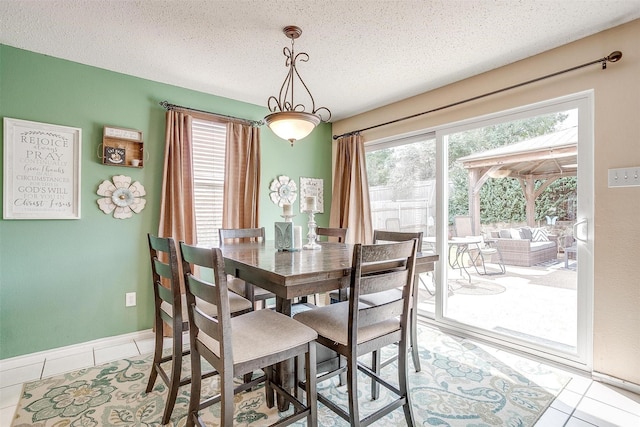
<point x="481" y="251"/>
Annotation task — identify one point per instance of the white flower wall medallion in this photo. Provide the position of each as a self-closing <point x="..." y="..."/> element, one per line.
<point x="283" y="190"/>
<point x="121" y="197"/>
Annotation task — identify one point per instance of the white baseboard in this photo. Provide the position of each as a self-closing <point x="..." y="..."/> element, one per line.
<point x="54" y="353"/>
<point x="617" y="382"/>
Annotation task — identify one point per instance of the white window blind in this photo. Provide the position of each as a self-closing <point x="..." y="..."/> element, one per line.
<point x="208" y="178"/>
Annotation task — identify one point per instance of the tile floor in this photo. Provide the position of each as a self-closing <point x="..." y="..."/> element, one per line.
<point x="582" y="403"/>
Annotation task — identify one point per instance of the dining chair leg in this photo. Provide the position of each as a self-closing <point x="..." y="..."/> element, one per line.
<point x="375" y="367"/>
<point x="413" y="328"/>
<point x="196" y="384"/>
<point x="342" y="378"/>
<point x="157" y="357"/>
<point x="174" y="380"/>
<point x="415" y="355"/>
<point x="227" y="404"/>
<point x="403" y="380"/>
<point x="352" y="391"/>
<point x="297" y="378"/>
<point x="269" y="373"/>
<point x="247" y="378"/>
<point x="312" y="398"/>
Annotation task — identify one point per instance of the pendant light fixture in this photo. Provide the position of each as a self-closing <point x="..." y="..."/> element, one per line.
<point x="288" y="119"/>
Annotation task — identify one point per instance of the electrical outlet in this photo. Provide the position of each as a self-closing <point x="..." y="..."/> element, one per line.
<point x="130" y="299"/>
<point x="624" y="177"/>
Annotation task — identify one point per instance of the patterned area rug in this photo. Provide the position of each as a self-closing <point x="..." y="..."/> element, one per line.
<point x="460" y="385"/>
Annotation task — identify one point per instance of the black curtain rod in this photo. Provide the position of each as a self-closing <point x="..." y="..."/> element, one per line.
<point x="167" y="106"/>
<point x="613" y="57"/>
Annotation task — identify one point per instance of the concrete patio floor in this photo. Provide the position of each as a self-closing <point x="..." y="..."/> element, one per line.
<point x="537" y="304"/>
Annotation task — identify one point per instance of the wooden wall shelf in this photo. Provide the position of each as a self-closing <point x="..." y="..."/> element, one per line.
<point x="122" y="147"/>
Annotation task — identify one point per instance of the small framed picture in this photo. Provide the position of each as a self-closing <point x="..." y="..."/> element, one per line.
<point x="114" y="155"/>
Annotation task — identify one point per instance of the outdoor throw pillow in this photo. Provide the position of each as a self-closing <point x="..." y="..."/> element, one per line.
<point x="526" y="234"/>
<point x="539" y="235"/>
<point x="515" y="233"/>
<point x="505" y="234"/>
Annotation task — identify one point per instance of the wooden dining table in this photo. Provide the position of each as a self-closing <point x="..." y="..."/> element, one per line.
<point x="297" y="274"/>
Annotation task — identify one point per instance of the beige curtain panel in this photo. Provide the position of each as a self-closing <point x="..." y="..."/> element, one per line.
<point x="242" y="177"/>
<point x="350" y="206"/>
<point x="177" y="214"/>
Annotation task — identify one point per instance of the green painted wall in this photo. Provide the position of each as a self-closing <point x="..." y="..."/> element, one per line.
<point x="63" y="282"/>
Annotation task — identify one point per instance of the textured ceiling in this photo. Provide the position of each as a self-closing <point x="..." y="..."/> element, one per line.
<point x="363" y="54"/>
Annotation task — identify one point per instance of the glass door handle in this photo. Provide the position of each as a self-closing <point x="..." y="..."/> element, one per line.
<point x="575" y="230"/>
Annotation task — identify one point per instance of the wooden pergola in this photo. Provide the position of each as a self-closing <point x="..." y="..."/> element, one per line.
<point x="544" y="158"/>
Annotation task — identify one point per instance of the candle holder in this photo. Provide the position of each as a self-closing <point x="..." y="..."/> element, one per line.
<point x="287" y="218"/>
<point x="311" y="235"/>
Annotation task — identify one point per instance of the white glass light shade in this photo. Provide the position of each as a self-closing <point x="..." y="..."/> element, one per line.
<point x="292" y="125"/>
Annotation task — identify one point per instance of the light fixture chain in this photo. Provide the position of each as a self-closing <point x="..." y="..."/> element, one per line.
<point x="286" y="98"/>
<point x="288" y="119"/>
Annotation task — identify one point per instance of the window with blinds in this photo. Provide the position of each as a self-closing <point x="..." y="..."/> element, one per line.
<point x="208" y="178"/>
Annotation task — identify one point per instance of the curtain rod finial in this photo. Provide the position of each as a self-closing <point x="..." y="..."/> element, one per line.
<point x="614" y="56"/>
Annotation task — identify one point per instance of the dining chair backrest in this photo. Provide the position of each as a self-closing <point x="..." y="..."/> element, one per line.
<point x="255" y="294"/>
<point x="216" y="323"/>
<point x="384" y="236"/>
<point x="340" y="233"/>
<point x="166" y="279"/>
<point x="376" y="269"/>
<point x="241" y="235"/>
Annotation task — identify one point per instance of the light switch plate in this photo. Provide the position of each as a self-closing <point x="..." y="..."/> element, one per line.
<point x="130" y="299"/>
<point x="624" y="177"/>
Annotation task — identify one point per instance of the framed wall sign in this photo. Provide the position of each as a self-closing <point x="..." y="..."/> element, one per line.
<point x="312" y="187"/>
<point x="41" y="170"/>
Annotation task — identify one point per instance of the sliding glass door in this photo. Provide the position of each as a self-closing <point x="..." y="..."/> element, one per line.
<point x="518" y="201"/>
<point x="506" y="201"/>
<point x="402" y="190"/>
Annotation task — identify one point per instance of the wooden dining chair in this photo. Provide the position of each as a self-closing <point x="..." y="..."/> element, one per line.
<point x="384" y="236"/>
<point x="257" y="295"/>
<point x="170" y="311"/>
<point x="353" y="329"/>
<point x="339" y="233"/>
<point x="328" y="233"/>
<point x="240" y="345"/>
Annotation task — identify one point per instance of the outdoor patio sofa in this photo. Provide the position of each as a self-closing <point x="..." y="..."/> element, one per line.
<point x="525" y="246"/>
